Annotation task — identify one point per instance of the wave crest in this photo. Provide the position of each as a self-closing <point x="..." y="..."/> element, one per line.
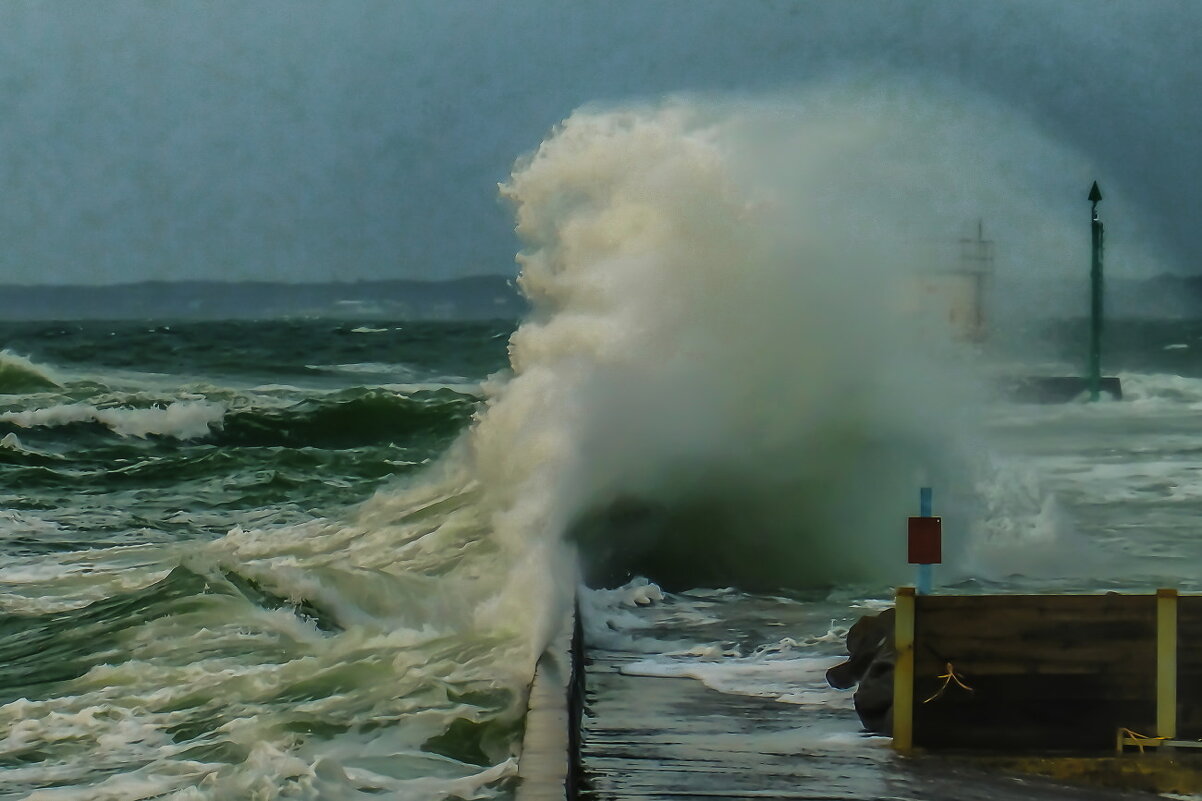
<point x="178" y="419"/>
<point x="352" y="418"/>
<point x="19" y="375"/>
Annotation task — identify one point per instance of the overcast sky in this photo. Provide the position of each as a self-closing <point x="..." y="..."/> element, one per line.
<point x="312" y="140"/>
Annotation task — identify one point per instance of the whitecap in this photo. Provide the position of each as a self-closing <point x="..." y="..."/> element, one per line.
<point x="179" y="419"/>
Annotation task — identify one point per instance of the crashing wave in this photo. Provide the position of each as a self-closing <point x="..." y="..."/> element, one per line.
<point x="19" y="375"/>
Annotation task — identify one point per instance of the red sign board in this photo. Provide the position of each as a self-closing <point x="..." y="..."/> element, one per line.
<point x="926" y="541"/>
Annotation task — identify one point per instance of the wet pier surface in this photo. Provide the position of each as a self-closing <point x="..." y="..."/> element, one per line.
<point x="658" y="737"/>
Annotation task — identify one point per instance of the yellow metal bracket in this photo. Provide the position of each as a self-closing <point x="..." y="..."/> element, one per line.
<point x="1166" y="684"/>
<point x="903" y="671"/>
<point x="1166" y="664"/>
<point x="1126" y="737"/>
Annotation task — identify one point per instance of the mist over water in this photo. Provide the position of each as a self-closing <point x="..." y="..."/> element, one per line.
<point x="725" y="379"/>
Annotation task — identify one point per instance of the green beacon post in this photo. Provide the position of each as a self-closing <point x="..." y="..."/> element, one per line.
<point x="1094" y="371"/>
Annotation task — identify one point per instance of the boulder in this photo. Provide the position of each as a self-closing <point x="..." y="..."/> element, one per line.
<point x="869" y="664"/>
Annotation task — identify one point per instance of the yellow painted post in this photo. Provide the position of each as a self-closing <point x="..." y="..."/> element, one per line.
<point x="903" y="670"/>
<point x="1166" y="663"/>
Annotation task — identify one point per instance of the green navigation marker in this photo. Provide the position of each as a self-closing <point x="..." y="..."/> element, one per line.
<point x="1093" y="374"/>
<point x="1067" y="389"/>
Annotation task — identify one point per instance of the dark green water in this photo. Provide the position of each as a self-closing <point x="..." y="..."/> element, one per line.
<point x="203" y="581"/>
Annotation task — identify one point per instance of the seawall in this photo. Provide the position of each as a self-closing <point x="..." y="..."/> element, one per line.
<point x="548" y="768"/>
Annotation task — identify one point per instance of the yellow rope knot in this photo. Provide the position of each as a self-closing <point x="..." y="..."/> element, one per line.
<point x="948" y="678"/>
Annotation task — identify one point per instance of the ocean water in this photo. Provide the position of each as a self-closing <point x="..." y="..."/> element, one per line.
<point x="220" y="579"/>
<point x="241" y="559"/>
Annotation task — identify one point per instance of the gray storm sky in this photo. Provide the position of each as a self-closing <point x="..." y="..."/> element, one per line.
<point x="314" y="140"/>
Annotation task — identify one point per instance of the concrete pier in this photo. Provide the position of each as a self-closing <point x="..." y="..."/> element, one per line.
<point x="606" y="724"/>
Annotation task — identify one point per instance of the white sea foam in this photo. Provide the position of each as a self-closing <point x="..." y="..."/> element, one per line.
<point x="1153" y="387"/>
<point x="370" y="368"/>
<point x="1019" y="527"/>
<point x="11" y="442"/>
<point x="795" y="680"/>
<point x="178" y="419"/>
<point x="612" y="621"/>
<point x="35" y="585"/>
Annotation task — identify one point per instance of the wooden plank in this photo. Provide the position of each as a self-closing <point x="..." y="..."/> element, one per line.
<point x="1088" y="603"/>
<point x="945" y="646"/>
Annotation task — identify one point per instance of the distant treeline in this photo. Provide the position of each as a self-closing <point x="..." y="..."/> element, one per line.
<point x="474" y="298"/>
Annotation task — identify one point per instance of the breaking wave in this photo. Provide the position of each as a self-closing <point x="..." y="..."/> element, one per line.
<point x="355" y="417"/>
<point x="721" y="381"/>
<point x="19" y="375"/>
<point x="178" y="419"/>
<point x="346" y="419"/>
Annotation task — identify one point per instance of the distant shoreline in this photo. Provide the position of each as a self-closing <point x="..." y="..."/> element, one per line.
<point x="472" y="298"/>
<point x="486" y="297"/>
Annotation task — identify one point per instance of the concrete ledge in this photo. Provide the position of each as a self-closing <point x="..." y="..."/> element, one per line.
<point x="548" y="764"/>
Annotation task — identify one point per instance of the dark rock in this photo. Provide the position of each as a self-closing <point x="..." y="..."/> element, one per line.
<point x="869" y="664"/>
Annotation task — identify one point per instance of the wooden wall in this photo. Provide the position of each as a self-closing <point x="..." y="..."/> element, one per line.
<point x="1048" y="673"/>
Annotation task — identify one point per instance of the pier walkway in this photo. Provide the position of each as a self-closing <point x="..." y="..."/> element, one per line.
<point x="674" y="738"/>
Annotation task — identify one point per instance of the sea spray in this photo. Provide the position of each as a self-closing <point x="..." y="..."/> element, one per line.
<point x="727" y="378"/>
<point x="718" y="383"/>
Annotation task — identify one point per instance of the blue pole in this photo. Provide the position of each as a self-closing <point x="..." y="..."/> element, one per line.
<point x="926" y="573"/>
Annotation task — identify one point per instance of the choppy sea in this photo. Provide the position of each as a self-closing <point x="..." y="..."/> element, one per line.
<point x="216" y="580"/>
<point x="260" y="560"/>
